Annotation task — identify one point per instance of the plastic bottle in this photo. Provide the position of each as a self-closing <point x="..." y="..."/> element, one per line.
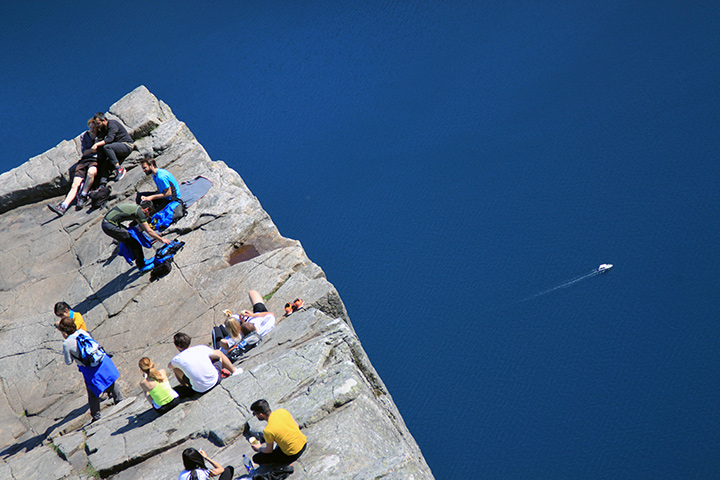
<point x="248" y="463"/>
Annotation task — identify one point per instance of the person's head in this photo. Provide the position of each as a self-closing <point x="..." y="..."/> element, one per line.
<point x="261" y="409"/>
<point x="67" y="327"/>
<point x="92" y="126"/>
<point x="62" y="309"/>
<point x="192" y="459"/>
<point x="233" y="327"/>
<point x="148" y="165"/>
<point x="247" y="328"/>
<point x="100" y="119"/>
<point x="148" y="366"/>
<point x="147" y="207"/>
<point x="181" y="341"/>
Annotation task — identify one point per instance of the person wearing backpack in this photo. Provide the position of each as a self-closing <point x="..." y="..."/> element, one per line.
<point x="97" y="367"/>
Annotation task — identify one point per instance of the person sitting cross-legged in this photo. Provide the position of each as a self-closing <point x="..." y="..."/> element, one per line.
<point x="198" y="368"/>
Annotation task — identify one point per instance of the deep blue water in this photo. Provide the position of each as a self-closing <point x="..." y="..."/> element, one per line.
<point x="443" y="163"/>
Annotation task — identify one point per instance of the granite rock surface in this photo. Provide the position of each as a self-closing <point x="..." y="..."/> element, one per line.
<point x="312" y="363"/>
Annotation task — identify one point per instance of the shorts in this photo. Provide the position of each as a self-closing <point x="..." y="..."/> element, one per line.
<point x="259" y="307"/>
<point x="82" y="168"/>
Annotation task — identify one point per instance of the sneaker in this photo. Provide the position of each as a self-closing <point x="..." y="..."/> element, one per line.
<point x="297" y="304"/>
<point x="81" y="201"/>
<point x="237" y="371"/>
<point x="288" y="309"/>
<point x="149" y="265"/>
<point x="120" y="173"/>
<point x="60" y="209"/>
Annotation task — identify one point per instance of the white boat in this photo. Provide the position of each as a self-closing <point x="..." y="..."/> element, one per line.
<point x="605" y="267"/>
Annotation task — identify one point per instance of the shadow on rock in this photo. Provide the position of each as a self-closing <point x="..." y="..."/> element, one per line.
<point x="37" y="440"/>
<point x="115" y="285"/>
<point x="137" y="421"/>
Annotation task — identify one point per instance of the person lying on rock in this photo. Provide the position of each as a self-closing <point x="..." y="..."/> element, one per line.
<point x="194" y="464"/>
<point x="63" y="310"/>
<point x="99" y="379"/>
<point x="113" y="227"/>
<point x="115" y="146"/>
<point x="198" y="368"/>
<point x="168" y="189"/>
<point x="282" y="430"/>
<point x="157" y="388"/>
<point x="83" y="172"/>
<point x="260" y="320"/>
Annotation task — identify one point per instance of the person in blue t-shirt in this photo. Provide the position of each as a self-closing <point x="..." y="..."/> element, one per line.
<point x="168" y="189"/>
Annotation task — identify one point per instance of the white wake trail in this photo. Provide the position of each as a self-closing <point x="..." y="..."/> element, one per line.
<point x="573" y="281"/>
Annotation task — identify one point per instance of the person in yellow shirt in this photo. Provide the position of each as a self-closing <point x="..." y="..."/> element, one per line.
<point x="282" y="430"/>
<point x="63" y="310"/>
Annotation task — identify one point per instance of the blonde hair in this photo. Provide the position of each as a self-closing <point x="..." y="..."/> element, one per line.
<point x="233" y="327"/>
<point x="147" y="366"/>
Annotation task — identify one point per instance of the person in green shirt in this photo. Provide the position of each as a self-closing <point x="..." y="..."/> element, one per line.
<point x="113" y="227"/>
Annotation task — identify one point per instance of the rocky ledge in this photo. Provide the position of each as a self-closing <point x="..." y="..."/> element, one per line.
<point x="312" y="363"/>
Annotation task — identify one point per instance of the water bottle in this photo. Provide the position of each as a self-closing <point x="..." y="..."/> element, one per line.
<point x="248" y="463"/>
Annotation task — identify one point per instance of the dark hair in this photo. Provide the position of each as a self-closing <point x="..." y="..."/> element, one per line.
<point x="247" y="328"/>
<point x="99" y="116"/>
<point x="67" y="326"/>
<point x="192" y="459"/>
<point x="181" y="340"/>
<point x="148" y="204"/>
<point x="149" y="160"/>
<point x="61" y="308"/>
<point x="261" y="406"/>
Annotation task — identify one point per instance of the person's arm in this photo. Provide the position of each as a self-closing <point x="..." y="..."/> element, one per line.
<point x="217" y="468"/>
<point x="68" y="356"/>
<point x="248" y="313"/>
<point x="262" y="448"/>
<point x="157" y="196"/>
<point x="146" y="386"/>
<point x="153" y="233"/>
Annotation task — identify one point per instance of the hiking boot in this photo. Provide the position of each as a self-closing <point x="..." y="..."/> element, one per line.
<point x="120" y="173"/>
<point x="60" y="209"/>
<point x="288" y="309"/>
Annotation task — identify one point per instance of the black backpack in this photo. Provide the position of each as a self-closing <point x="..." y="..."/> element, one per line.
<point x="100" y="196"/>
<point x="278" y="472"/>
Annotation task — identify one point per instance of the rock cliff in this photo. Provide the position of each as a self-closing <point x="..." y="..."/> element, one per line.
<point x="312" y="363"/>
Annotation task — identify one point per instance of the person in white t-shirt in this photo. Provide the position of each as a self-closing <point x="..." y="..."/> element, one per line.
<point x="259" y="320"/>
<point x="198" y="368"/>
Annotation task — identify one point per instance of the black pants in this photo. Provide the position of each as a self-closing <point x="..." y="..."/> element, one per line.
<point x="277" y="457"/>
<point x="110" y="156"/>
<point x="185" y="389"/>
<point x="94" y="401"/>
<point x="122" y="235"/>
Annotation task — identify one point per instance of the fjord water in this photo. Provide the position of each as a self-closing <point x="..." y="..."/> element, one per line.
<point x="449" y="166"/>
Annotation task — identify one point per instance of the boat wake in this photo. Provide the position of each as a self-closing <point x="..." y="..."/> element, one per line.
<point x="567" y="284"/>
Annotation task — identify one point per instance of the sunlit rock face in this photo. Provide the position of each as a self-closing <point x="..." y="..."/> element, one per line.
<point x="312" y="363"/>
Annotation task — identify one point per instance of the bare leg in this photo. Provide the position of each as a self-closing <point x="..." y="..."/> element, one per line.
<point x="226" y="363"/>
<point x="89" y="179"/>
<point x="73" y="191"/>
<point x="255" y="297"/>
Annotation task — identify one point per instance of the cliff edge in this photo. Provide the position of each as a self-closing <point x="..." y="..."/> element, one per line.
<point x="312" y="363"/>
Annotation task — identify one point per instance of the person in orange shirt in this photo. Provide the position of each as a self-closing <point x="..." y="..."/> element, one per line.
<point x="63" y="310"/>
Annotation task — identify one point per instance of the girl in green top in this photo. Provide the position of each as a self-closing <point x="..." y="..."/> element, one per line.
<point x="157" y="388"/>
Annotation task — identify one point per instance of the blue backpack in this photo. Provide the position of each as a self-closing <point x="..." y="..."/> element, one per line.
<point x="91" y="353"/>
